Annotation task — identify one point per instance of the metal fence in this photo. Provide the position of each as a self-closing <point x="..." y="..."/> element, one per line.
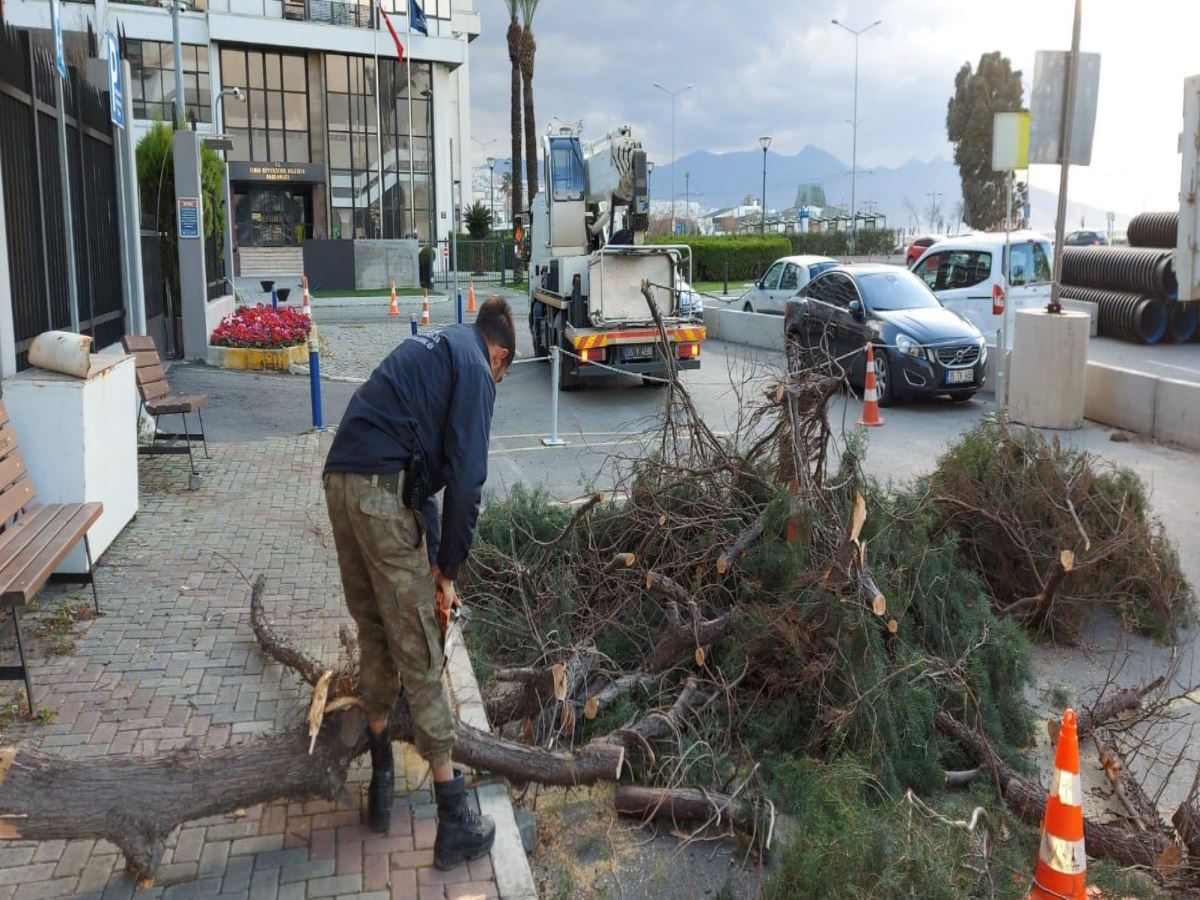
<point x="33" y="198"/>
<point x="489" y="261"/>
<point x="214" y="266"/>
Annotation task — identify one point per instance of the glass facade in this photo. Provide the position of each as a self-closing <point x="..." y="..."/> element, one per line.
<point x="152" y="64"/>
<point x="355" y="140"/>
<point x="272" y="125"/>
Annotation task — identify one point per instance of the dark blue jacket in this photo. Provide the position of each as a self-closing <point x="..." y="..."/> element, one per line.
<point x="438" y="389"/>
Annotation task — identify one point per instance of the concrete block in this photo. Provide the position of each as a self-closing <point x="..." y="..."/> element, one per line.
<point x="378" y="263"/>
<point x="1084" y="306"/>
<point x="1120" y="397"/>
<point x="1048" y="369"/>
<point x="754" y="329"/>
<point x="712" y="321"/>
<point x="1177" y="412"/>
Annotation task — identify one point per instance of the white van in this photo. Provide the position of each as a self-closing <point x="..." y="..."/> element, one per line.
<point x="965" y="271"/>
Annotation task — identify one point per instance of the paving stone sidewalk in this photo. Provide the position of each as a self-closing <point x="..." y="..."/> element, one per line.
<point x="172" y="663"/>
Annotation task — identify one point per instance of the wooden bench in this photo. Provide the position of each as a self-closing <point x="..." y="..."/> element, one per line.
<point x="160" y="400"/>
<point x="34" y="539"/>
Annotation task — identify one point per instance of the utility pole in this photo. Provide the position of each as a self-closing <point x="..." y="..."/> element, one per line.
<point x="765" y="142"/>
<point x="672" y="94"/>
<point x="63" y="171"/>
<point x="933" y="206"/>
<point x="687" y="202"/>
<point x="180" y="115"/>
<point x="1065" y="167"/>
<point x="854" y="145"/>
<point x="491" y="163"/>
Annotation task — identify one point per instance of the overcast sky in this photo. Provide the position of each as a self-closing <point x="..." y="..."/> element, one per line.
<point x="780" y="67"/>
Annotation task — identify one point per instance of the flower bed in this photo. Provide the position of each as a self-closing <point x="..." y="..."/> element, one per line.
<point x="262" y="328"/>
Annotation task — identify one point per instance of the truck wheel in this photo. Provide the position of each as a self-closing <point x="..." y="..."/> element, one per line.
<point x="657" y="381"/>
<point x="568" y="373"/>
<point x="537" y="329"/>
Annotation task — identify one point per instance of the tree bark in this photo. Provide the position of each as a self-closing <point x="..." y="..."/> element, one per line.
<point x="741" y="543"/>
<point x="1103" y="841"/>
<point x="518" y="133"/>
<point x="528" y="52"/>
<point x="1141" y="809"/>
<point x="755" y="821"/>
<point x="679" y="637"/>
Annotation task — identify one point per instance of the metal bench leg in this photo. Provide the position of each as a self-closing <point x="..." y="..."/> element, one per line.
<point x="24" y="665"/>
<point x="203" y="439"/>
<point x="87" y="548"/>
<point x="191" y="459"/>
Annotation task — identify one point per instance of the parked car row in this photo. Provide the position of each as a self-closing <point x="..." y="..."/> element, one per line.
<point x="930" y="323"/>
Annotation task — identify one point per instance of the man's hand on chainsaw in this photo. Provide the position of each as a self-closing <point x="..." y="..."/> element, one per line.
<point x="445" y="597"/>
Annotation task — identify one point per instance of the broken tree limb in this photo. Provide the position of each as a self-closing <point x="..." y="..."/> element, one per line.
<point x="1028" y="801"/>
<point x="1122" y="701"/>
<point x="681" y="638"/>
<point x="753" y="821"/>
<point x="1187" y="824"/>
<point x="1142" y="811"/>
<point x="667" y="588"/>
<point x="741" y="543"/>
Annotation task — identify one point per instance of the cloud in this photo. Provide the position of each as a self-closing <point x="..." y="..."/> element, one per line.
<point x="780" y="67"/>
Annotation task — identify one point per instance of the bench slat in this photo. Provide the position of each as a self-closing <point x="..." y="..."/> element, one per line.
<point x="135" y="342"/>
<point x="8" y="441"/>
<point x="15" y="498"/>
<point x="3" y="414"/>
<point x="146" y="358"/>
<point x="23" y="533"/>
<point x="34" y="566"/>
<point x="11" y="468"/>
<point x="153" y="390"/>
<point x="150" y="374"/>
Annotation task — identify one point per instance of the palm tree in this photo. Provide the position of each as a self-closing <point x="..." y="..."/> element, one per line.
<point x="514" y="56"/>
<point x="478" y="219"/>
<point x="528" y="50"/>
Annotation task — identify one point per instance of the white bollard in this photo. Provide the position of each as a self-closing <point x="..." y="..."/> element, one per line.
<point x="555" y="362"/>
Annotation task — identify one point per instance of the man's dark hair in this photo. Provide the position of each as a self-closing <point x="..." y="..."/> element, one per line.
<point x="495" y="320"/>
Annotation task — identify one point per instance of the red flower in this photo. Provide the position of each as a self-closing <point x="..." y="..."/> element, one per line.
<point x="262" y="327"/>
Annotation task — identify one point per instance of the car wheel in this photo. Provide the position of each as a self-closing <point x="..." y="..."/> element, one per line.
<point x="883" y="379"/>
<point x="746" y="307"/>
<point x="962" y="396"/>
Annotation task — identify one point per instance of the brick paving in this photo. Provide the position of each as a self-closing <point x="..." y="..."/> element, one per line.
<point x="172" y="663"/>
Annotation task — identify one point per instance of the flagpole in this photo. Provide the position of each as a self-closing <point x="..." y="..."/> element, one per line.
<point x="412" y="178"/>
<point x="378" y="120"/>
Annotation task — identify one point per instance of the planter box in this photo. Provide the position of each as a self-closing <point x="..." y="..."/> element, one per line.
<point x="257" y="360"/>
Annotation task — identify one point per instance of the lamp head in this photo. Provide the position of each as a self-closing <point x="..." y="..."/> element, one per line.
<point x="765" y="142"/>
<point x="491" y="161"/>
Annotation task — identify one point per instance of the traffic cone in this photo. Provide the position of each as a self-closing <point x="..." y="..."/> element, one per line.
<point x="425" y="309"/>
<point x="870" y="410"/>
<point x="471" y="298"/>
<point x="1061" y="870"/>
<point x="393" y="309"/>
<point x="304" y="294"/>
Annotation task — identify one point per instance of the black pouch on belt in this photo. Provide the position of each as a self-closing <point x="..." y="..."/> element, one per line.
<point x="416" y="478"/>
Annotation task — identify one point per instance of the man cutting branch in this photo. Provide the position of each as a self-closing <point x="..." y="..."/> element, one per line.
<point x="420" y="424"/>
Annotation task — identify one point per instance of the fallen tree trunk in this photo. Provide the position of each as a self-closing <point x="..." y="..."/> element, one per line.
<point x="1142" y="811"/>
<point x="136" y="802"/>
<point x="753" y="821"/>
<point x="1103" y="841"/>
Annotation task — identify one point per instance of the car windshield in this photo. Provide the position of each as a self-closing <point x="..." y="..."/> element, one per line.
<point x="890" y="291"/>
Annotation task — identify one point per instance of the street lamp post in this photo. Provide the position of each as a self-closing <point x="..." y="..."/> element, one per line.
<point x="673" y="94"/>
<point x="649" y="191"/>
<point x="491" y="162"/>
<point x="765" y="142"/>
<point x="854" y="148"/>
<point x="218" y="121"/>
<point x="687" y="202"/>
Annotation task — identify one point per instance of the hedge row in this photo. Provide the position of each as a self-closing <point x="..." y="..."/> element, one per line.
<point x="871" y="242"/>
<point x="746" y="256"/>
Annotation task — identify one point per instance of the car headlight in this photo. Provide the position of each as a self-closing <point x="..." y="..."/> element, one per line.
<point x="907" y="345"/>
<point x="983" y="350"/>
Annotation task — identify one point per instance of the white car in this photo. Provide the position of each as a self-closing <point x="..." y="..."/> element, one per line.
<point x="786" y="278"/>
<point x="965" y="272"/>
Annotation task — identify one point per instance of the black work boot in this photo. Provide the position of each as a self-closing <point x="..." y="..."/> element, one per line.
<point x="462" y="835"/>
<point x="383" y="783"/>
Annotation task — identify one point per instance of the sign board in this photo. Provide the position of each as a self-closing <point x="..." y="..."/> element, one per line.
<point x="189" y="217"/>
<point x="303" y="173"/>
<point x="445" y="253"/>
<point x="1010" y="141"/>
<point x="116" y="81"/>
<point x="1187" y="249"/>
<point x="60" y="60"/>
<point x="1046" y="107"/>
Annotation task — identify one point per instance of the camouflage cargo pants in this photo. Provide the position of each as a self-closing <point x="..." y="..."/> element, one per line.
<point x="385" y="576"/>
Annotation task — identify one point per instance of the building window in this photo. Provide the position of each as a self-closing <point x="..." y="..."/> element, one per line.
<point x="355" y="142"/>
<point x="434" y="9"/>
<point x="152" y="64"/>
<point x="272" y="125"/>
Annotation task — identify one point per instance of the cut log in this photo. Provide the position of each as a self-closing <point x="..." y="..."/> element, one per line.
<point x="136" y="802"/>
<point x="1028" y="801"/>
<point x="1187" y="823"/>
<point x="1122" y="701"/>
<point x="1137" y="803"/>
<point x="680" y="638"/>
<point x="741" y="543"/>
<point x="667" y="588"/>
<point x="753" y="821"/>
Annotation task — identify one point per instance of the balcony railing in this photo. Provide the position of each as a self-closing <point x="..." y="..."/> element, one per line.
<point x="331" y="12"/>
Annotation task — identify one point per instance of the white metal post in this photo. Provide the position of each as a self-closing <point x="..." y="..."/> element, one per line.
<point x="1002" y="342"/>
<point x="555" y="363"/>
<point x="65" y="175"/>
<point x="180" y="113"/>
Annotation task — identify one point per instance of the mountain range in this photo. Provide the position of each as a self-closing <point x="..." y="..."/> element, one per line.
<point x="903" y="194"/>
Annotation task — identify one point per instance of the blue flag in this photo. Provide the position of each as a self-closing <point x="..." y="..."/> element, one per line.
<point x="416" y="18"/>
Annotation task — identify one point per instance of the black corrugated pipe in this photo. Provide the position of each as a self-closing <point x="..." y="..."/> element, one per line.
<point x="1183" y="319"/>
<point x="1147" y="271"/>
<point x="1153" y="229"/>
<point x="1138" y="318"/>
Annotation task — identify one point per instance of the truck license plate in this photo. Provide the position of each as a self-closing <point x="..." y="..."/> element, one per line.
<point x="638" y="351"/>
<point x="960" y="376"/>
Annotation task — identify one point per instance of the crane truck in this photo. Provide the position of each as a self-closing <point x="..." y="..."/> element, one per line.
<point x="588" y="259"/>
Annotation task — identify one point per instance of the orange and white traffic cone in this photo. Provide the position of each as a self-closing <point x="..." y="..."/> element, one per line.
<point x="870" y="411"/>
<point x="471" y="298"/>
<point x="1061" y="870"/>
<point x="307" y="309"/>
<point x="425" y="309"/>
<point x="393" y="309"/>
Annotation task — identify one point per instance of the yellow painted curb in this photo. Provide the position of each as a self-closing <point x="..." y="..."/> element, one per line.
<point x="244" y="358"/>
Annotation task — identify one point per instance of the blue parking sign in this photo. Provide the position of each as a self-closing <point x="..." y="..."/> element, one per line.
<point x="116" y="81"/>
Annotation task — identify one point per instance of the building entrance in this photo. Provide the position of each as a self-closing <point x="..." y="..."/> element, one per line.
<point x="272" y="216"/>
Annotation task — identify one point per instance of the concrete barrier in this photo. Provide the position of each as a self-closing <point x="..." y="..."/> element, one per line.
<point x="1084" y="306"/>
<point x="755" y="329"/>
<point x="1177" y="412"/>
<point x="1121" y="397"/>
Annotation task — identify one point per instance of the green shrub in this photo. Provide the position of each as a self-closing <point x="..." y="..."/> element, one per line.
<point x="738" y="256"/>
<point x="870" y="242"/>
